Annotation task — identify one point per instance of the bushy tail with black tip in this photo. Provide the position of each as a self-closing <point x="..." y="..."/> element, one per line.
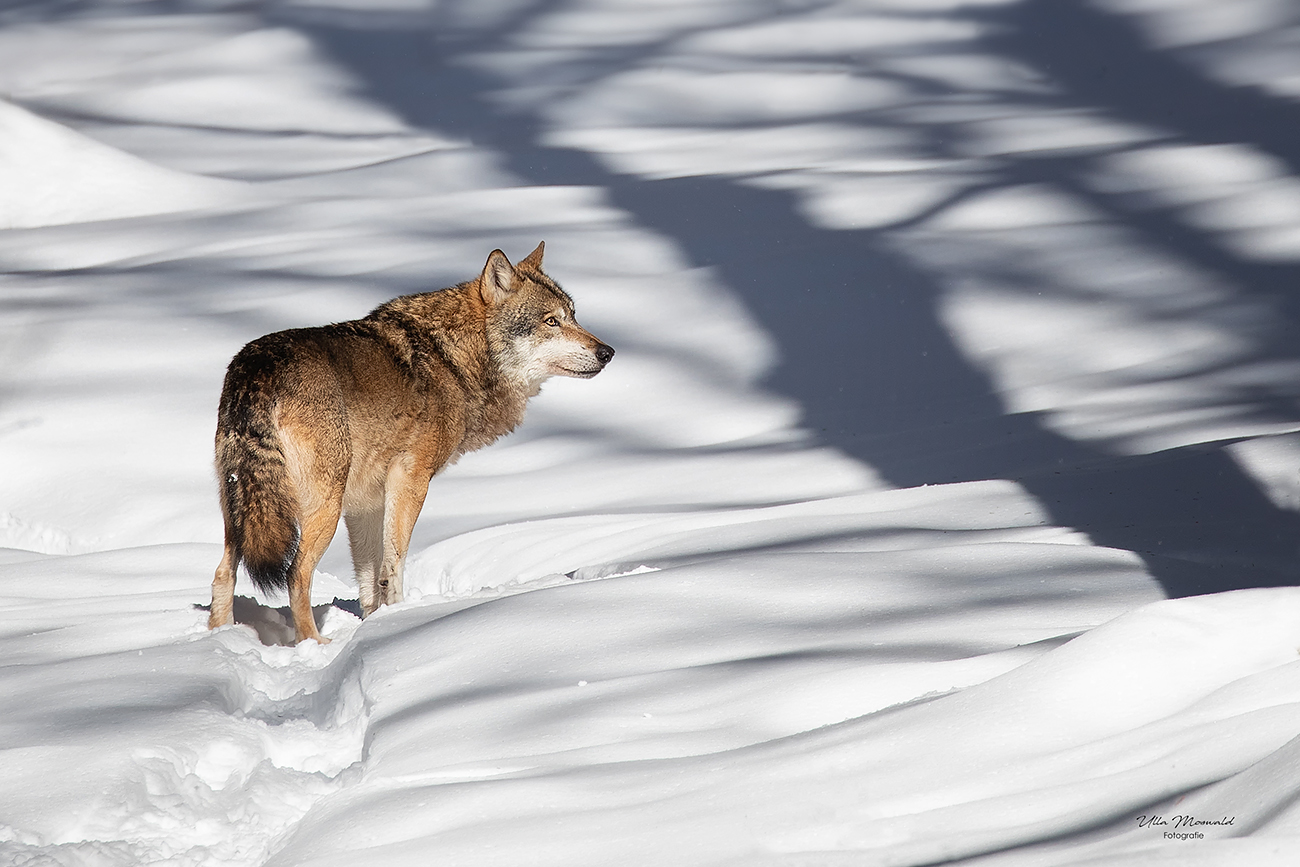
<point x="257" y="500"/>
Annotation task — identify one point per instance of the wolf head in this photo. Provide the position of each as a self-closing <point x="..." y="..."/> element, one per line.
<point x="532" y="329"/>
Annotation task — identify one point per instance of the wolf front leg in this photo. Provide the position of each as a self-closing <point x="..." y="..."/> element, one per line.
<point x="366" y="540"/>
<point x="404" y="492"/>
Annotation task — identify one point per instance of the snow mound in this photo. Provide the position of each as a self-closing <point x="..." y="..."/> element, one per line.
<point x="627" y="758"/>
<point x="53" y="175"/>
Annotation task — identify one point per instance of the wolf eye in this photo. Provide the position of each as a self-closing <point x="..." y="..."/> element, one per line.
<point x="552" y="321"/>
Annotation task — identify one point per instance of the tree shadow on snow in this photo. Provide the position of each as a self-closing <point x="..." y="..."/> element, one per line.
<point x="861" y="345"/>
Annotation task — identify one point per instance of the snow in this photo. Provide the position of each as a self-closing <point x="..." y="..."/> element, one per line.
<point x="937" y="374"/>
<point x="52" y="175"/>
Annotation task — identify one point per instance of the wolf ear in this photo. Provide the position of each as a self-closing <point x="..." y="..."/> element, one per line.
<point x="498" y="278"/>
<point x="534" y="259"/>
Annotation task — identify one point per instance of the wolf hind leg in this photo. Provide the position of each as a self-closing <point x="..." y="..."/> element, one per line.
<point x="366" y="540"/>
<point x="317" y="458"/>
<point x="222" y="611"/>
<point x="317" y="531"/>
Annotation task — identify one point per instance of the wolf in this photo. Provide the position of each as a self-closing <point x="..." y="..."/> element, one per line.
<point x="355" y="418"/>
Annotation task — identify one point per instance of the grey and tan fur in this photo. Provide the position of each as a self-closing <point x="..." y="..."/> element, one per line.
<point x="355" y="418"/>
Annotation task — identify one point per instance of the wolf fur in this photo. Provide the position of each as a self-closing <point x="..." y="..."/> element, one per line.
<point x="355" y="418"/>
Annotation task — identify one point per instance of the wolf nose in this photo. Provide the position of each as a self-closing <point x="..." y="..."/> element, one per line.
<point x="604" y="354"/>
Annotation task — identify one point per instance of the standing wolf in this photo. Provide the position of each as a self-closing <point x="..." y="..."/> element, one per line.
<point x="354" y="419"/>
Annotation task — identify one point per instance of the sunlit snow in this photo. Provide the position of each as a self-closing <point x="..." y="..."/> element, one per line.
<point x="944" y="360"/>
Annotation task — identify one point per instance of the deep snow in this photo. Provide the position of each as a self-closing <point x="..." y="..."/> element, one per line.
<point x="940" y="366"/>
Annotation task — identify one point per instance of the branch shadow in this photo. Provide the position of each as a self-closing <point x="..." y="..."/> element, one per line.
<point x="861" y="344"/>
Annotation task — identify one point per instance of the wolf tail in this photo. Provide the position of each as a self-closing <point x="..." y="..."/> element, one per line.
<point x="258" y="502"/>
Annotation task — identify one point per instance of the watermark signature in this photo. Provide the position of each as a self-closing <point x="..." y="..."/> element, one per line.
<point x="1184" y="827"/>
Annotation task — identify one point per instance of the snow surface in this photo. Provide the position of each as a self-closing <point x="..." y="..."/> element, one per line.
<point x="940" y="366"/>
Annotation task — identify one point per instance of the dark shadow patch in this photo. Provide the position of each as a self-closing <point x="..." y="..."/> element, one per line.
<point x="861" y="345"/>
<point x="1102" y="61"/>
